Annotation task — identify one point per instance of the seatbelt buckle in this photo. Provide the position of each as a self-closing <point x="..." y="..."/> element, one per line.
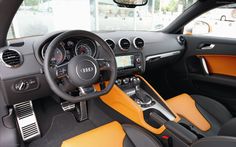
<point x="167" y="141"/>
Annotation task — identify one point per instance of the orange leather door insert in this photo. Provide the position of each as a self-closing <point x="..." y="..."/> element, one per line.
<point x="221" y="64"/>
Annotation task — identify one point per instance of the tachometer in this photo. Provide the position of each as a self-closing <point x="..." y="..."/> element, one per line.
<point x="58" y="55"/>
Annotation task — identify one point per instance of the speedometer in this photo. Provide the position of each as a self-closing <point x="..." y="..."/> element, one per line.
<point x="86" y="47"/>
<point x="83" y="49"/>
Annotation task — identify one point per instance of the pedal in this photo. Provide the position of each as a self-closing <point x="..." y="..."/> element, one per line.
<point x="82" y="111"/>
<point x="26" y="120"/>
<point x="67" y="106"/>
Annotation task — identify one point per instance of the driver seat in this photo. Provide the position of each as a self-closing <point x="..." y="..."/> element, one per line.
<point x="113" y="135"/>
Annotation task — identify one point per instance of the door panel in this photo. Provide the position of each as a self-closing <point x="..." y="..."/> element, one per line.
<point x="219" y="81"/>
<point x="220" y="64"/>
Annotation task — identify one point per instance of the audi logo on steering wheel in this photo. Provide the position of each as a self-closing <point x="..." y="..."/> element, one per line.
<point x="86" y="69"/>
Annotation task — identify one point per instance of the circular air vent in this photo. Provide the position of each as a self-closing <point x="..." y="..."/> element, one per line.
<point x="138" y="43"/>
<point x="11" y="58"/>
<point x="111" y="43"/>
<point x="124" y="44"/>
<point x="181" y="40"/>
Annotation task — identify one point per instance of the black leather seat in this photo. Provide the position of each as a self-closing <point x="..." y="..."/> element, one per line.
<point x="116" y="135"/>
<point x="215" y="120"/>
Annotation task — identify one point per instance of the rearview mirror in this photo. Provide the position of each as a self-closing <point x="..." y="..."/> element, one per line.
<point x="130" y="3"/>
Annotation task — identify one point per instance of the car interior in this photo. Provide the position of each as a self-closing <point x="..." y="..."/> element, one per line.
<point x="174" y="87"/>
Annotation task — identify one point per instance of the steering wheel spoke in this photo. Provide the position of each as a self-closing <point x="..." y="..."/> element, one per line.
<point x="61" y="71"/>
<point x="87" y="90"/>
<point x="104" y="64"/>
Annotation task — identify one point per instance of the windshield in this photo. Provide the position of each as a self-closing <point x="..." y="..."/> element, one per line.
<point x="39" y="17"/>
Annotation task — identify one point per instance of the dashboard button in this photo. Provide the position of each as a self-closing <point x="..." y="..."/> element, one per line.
<point x="26" y="84"/>
<point x="118" y="82"/>
<point x="138" y="60"/>
<point x="126" y="80"/>
<point x="22" y="85"/>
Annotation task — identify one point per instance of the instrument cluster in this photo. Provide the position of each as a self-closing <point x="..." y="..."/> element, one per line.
<point x="69" y="48"/>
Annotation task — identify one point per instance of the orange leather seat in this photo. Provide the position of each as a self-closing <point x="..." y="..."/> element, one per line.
<point x="113" y="135"/>
<point x="203" y="115"/>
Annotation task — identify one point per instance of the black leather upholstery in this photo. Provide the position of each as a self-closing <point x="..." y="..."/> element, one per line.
<point x="220" y="119"/>
<point x="134" y="136"/>
<point x="229" y="128"/>
<point x="127" y="142"/>
<point x="140" y="137"/>
<point x="219" y="141"/>
<point x="214" y="108"/>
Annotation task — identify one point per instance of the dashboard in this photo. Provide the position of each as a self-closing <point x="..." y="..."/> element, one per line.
<point x="22" y="77"/>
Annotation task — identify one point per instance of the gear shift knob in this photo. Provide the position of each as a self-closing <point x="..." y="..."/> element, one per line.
<point x="136" y="82"/>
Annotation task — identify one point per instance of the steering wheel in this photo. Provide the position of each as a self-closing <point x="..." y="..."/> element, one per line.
<point x="82" y="71"/>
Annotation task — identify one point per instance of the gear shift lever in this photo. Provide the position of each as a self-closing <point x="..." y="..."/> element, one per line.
<point x="144" y="98"/>
<point x="136" y="82"/>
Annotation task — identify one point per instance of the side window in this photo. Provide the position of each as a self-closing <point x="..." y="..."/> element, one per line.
<point x="219" y="22"/>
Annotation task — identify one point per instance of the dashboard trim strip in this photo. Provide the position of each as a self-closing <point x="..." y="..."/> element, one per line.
<point x="164" y="55"/>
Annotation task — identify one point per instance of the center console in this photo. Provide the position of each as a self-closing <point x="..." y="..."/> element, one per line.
<point x="138" y="90"/>
<point x="133" y="97"/>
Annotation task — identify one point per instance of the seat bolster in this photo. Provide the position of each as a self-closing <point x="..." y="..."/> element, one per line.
<point x="229" y="128"/>
<point x="219" y="141"/>
<point x="185" y="106"/>
<point x="140" y="137"/>
<point x="216" y="109"/>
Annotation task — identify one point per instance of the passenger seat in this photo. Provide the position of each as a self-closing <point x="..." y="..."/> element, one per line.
<point x="203" y="115"/>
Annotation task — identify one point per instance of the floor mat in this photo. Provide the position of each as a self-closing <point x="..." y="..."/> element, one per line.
<point x="64" y="126"/>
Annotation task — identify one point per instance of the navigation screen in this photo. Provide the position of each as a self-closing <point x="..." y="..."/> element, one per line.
<point x="125" y="61"/>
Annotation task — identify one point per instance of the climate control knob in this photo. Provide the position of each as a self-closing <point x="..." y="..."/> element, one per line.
<point x="118" y="82"/>
<point x="126" y="80"/>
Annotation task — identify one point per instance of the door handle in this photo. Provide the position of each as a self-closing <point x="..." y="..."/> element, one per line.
<point x="207" y="46"/>
<point x="204" y="65"/>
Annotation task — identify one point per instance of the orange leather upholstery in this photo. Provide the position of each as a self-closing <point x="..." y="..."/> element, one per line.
<point x="122" y="103"/>
<point x="109" y="135"/>
<point x="185" y="107"/>
<point x="221" y="64"/>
